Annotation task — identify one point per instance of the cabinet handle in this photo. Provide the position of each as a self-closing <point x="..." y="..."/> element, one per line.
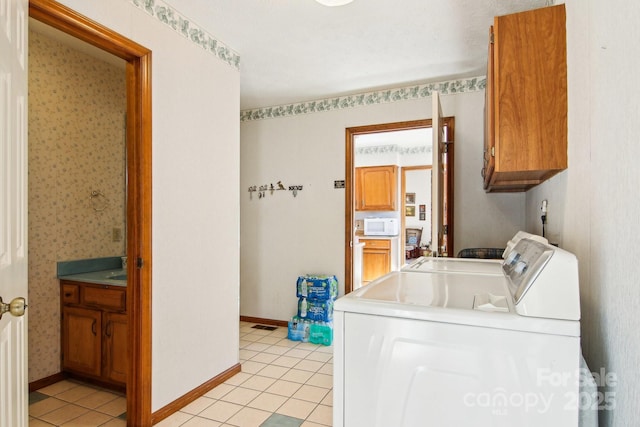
<point x="68" y="294"/>
<point x="107" y="331"/>
<point x="483" y="172"/>
<point x="93" y="327"/>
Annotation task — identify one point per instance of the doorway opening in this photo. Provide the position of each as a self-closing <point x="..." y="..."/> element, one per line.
<point x="350" y="235"/>
<point x="415" y="195"/>
<point x="138" y="210"/>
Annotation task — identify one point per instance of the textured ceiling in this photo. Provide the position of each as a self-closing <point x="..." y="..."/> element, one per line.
<point x="299" y="50"/>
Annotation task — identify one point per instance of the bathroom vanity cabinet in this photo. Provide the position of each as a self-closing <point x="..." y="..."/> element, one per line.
<point x="94" y="332"/>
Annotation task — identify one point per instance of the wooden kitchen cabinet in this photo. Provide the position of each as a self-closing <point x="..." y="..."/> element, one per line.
<point x="94" y="332"/>
<point x="376" y="188"/>
<point x="376" y="259"/>
<point x="526" y="100"/>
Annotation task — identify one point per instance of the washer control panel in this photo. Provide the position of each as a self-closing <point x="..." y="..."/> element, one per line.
<point x="524" y="263"/>
<point x="543" y="280"/>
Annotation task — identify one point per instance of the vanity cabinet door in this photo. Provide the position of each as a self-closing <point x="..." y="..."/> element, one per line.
<point x="82" y="340"/>
<point x="115" y="345"/>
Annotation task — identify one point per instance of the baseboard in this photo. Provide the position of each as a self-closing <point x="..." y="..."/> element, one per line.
<point x="47" y="381"/>
<point x="197" y="392"/>
<point x="264" y="321"/>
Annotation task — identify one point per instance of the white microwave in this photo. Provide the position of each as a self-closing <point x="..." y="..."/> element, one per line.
<point x="380" y="227"/>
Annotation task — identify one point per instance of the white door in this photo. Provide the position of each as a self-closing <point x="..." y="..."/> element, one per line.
<point x="13" y="212"/>
<point x="437" y="178"/>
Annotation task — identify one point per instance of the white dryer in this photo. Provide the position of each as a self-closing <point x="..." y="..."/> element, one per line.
<point x="442" y="349"/>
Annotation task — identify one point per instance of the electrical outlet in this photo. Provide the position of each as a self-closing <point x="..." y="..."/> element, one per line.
<point x="116" y="234"/>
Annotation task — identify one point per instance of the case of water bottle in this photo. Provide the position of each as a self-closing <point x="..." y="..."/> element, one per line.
<point x="313" y="320"/>
<point x="318" y="287"/>
<point x="315" y="309"/>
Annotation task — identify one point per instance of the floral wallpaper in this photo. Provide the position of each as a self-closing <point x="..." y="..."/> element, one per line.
<point x="76" y="125"/>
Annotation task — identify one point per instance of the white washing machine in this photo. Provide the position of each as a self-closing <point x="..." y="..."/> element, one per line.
<point x="443" y="349"/>
<point x="455" y="265"/>
<point x="469" y="265"/>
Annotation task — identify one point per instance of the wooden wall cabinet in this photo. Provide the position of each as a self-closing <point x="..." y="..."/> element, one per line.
<point x="376" y="188"/>
<point x="94" y="332"/>
<point x="376" y="259"/>
<point x="526" y="100"/>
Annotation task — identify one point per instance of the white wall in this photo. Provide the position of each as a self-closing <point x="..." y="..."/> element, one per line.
<point x="419" y="182"/>
<point x="195" y="190"/>
<point x="283" y="237"/>
<point x="593" y="206"/>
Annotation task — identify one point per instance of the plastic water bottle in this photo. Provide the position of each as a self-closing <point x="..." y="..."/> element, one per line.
<point x="303" y="307"/>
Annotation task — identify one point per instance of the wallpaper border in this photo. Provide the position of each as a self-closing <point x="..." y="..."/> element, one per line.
<point x="392" y="148"/>
<point x="182" y="25"/>
<point x="472" y="84"/>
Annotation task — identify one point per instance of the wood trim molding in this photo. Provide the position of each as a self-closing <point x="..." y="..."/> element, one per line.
<point x="450" y="127"/>
<point x="139" y="126"/>
<point x="197" y="392"/>
<point x="350" y="133"/>
<point x="262" y="321"/>
<point x="46" y="381"/>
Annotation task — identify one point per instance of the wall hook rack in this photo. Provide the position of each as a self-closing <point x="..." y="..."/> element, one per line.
<point x="279" y="186"/>
<point x="295" y="189"/>
<point x="252" y="190"/>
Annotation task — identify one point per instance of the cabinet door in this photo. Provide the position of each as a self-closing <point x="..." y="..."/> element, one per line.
<point x="115" y="357"/>
<point x="81" y="340"/>
<point x="376" y="259"/>
<point x="376" y="188"/>
<point x="376" y="263"/>
<point x="527" y="99"/>
<point x="489" y="119"/>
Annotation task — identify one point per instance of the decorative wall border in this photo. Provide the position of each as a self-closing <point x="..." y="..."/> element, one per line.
<point x="472" y="84"/>
<point x="166" y="14"/>
<point x="393" y="148"/>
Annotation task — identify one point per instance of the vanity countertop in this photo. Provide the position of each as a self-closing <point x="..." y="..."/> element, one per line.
<point x="102" y="271"/>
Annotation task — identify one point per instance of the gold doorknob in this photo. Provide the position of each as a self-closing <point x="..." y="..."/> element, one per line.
<point x="16" y="307"/>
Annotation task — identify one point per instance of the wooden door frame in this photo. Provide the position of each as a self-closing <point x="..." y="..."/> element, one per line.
<point x="349" y="222"/>
<point x="138" y="129"/>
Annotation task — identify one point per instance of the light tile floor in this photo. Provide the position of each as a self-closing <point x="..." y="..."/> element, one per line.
<point x="73" y="404"/>
<point x="283" y="383"/>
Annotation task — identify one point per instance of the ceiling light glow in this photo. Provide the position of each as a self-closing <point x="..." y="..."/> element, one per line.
<point x="334" y="2"/>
